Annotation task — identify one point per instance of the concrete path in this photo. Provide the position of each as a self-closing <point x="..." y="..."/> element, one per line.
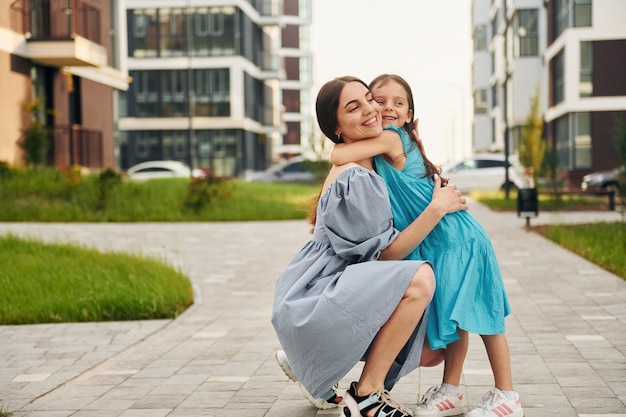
<point x="567" y="332"/>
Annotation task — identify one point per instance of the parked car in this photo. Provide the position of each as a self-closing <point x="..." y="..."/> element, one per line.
<point x="483" y="172"/>
<point x="603" y="179"/>
<point x="292" y="170"/>
<point x="161" y="169"/>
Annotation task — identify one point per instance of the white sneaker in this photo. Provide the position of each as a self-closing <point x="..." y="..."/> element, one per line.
<point x="320" y="403"/>
<point x="435" y="402"/>
<point x="495" y="404"/>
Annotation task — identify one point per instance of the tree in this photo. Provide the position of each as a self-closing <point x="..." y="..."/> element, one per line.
<point x="532" y="147"/>
<point x="35" y="137"/>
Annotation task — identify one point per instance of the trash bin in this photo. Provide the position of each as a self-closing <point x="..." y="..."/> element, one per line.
<point x="527" y="203"/>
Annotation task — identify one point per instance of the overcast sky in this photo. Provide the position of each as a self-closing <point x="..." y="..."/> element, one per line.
<point x="428" y="42"/>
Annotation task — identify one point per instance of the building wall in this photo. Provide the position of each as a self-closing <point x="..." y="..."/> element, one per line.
<point x="15" y="88"/>
<point x="607" y="36"/>
<point x="482" y="135"/>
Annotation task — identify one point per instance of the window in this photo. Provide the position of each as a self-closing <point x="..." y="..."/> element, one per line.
<point x="213" y="31"/>
<point x="582" y="13"/>
<point x="561" y="138"/>
<point x="585" y="86"/>
<point x="144" y="94"/>
<point x="143" y="33"/>
<point x="558" y="78"/>
<point x="172" y="34"/>
<point x="527" y="33"/>
<point x="480" y="101"/>
<point x="174" y="144"/>
<point x="211" y="92"/>
<point x="572" y="133"/>
<point x="173" y="93"/>
<point x="217" y="151"/>
<point x="582" y="140"/>
<point x="480" y="38"/>
<point x="571" y="13"/>
<point x="146" y="145"/>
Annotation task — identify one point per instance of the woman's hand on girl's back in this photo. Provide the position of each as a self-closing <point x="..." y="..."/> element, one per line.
<point x="448" y="199"/>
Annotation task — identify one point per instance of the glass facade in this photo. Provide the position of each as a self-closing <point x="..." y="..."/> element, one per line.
<point x="200" y="31"/>
<point x="571" y="13"/>
<point x="176" y="84"/>
<point x="166" y="93"/>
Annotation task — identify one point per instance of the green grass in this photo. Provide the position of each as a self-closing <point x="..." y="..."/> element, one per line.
<point x="47" y="195"/>
<point x="604" y="244"/>
<point x="52" y="283"/>
<point x="497" y="201"/>
<point x="601" y="243"/>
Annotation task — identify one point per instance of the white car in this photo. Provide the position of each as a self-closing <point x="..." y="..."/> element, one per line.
<point x="292" y="170"/>
<point x="483" y="172"/>
<point x="161" y="169"/>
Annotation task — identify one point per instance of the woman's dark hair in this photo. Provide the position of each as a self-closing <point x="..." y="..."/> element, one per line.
<point x="327" y="104"/>
<point x="430" y="168"/>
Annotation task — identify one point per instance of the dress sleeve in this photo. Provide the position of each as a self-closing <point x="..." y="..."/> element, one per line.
<point x="357" y="215"/>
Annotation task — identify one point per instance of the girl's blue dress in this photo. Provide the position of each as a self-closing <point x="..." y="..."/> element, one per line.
<point x="470" y="292"/>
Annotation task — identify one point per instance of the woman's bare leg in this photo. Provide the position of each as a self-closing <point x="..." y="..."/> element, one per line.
<point x="392" y="337"/>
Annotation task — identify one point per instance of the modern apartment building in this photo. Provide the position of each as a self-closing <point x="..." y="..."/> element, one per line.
<point x="216" y="84"/>
<point x="585" y="61"/>
<point x="62" y="53"/>
<point x="508" y="71"/>
<point x="569" y="52"/>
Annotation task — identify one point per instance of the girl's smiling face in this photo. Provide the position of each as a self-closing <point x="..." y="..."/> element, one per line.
<point x="358" y="114"/>
<point x="394" y="103"/>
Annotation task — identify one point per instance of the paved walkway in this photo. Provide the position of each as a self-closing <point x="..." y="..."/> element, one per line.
<point x="567" y="331"/>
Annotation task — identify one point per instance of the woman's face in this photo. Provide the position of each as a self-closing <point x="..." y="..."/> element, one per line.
<point x="358" y="115"/>
<point x="394" y="103"/>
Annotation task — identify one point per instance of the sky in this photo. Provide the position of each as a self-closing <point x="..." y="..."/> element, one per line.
<point x="427" y="42"/>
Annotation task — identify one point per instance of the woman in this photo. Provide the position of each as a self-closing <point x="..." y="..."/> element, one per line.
<point x="341" y="297"/>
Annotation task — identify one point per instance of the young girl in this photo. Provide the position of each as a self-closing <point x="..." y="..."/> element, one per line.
<point x="470" y="294"/>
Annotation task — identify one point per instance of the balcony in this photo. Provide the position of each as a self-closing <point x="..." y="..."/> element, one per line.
<point x="59" y="32"/>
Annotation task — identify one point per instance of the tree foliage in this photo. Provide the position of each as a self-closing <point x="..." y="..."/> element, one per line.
<point x="35" y="137"/>
<point x="532" y="146"/>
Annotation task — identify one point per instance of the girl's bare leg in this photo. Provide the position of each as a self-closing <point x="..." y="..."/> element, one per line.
<point x="500" y="360"/>
<point x="455" y="357"/>
<point x="392" y="337"/>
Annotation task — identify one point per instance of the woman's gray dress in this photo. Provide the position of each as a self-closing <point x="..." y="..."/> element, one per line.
<point x="334" y="296"/>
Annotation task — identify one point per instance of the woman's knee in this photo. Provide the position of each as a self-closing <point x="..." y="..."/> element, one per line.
<point x="423" y="283"/>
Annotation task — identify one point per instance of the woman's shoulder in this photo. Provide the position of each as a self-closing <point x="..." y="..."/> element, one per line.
<point x="348" y="173"/>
